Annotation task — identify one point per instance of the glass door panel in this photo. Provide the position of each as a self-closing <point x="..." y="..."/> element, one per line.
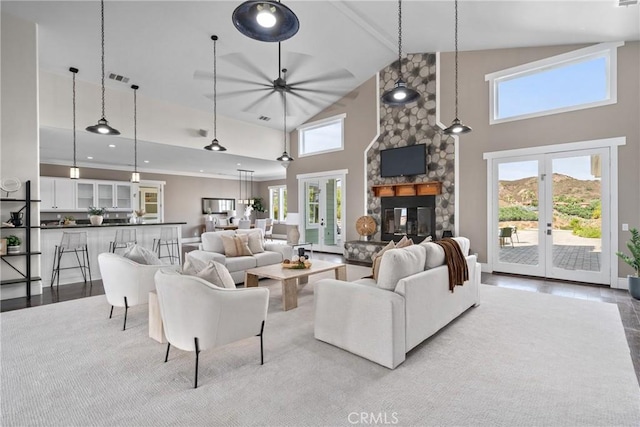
<point x="105" y="196"/>
<point x="323" y="213"/>
<point x="517" y="228"/>
<point x="84" y="195"/>
<point x="578" y="222"/>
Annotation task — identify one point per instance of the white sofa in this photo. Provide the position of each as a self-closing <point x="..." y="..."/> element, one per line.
<point x="383" y="325"/>
<point x="212" y="248"/>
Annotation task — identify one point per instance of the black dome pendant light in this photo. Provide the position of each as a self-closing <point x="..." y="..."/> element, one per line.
<point x="215" y="145"/>
<point x="285" y="159"/>
<point x="266" y="21"/>
<point x="102" y="127"/>
<point x="74" y="171"/>
<point x="456" y="125"/>
<point x="400" y="94"/>
<point x="135" y="175"/>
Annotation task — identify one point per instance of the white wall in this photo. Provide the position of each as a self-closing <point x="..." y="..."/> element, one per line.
<point x="158" y="121"/>
<point x="19" y="145"/>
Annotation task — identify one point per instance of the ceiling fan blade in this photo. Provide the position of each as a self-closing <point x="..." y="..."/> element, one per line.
<point x="206" y="75"/>
<point x="340" y="74"/>
<point x="235" y="93"/>
<point x="309" y="100"/>
<point x="296" y="104"/>
<point x="295" y="61"/>
<point x="252" y="107"/>
<point x="239" y="60"/>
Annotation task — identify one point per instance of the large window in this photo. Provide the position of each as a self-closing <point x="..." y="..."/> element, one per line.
<point x="583" y="78"/>
<point x="278" y="202"/>
<point x="322" y="136"/>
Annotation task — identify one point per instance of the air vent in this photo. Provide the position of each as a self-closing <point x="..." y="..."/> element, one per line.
<point x="264" y="118"/>
<point x="118" y="78"/>
<point x="627" y="2"/>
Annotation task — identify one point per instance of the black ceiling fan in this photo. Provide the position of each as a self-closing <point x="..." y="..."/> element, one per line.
<point x="304" y="91"/>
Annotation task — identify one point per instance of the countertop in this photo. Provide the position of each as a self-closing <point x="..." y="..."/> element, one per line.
<point x="59" y="227"/>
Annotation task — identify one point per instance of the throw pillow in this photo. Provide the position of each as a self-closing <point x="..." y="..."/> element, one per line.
<point x="377" y="257"/>
<point x="217" y="274"/>
<point x="256" y="241"/>
<point x="404" y="242"/>
<point x="397" y="264"/>
<point x="435" y="253"/>
<point x="142" y="255"/>
<point x="236" y="245"/>
<point x="192" y="265"/>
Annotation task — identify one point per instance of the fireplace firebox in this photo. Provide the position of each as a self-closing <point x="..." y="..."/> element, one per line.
<point x="411" y="216"/>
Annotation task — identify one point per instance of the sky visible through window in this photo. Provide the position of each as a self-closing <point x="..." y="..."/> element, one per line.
<point x="322" y="138"/>
<point x="576" y="167"/>
<point x="565" y="86"/>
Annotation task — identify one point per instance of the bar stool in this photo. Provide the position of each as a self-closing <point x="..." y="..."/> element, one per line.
<point x="72" y="243"/>
<point x="168" y="239"/>
<point x="124" y="238"/>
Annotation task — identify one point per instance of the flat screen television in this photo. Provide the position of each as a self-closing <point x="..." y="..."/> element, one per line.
<point x="404" y="161"/>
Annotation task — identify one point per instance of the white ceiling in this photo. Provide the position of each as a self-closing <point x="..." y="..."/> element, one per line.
<point x="165" y="46"/>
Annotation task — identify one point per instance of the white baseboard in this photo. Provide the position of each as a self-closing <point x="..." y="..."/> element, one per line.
<point x="191" y="240"/>
<point x="623" y="283"/>
<point x="485" y="268"/>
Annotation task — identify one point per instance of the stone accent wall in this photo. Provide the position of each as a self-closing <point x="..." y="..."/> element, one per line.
<point x="409" y="125"/>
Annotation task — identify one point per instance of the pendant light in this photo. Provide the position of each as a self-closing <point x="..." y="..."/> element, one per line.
<point x="266" y="21"/>
<point x="456" y="125"/>
<point x="102" y="127"/>
<point x="400" y="94"/>
<point x="285" y="159"/>
<point x="215" y="145"/>
<point x="74" y="171"/>
<point x="135" y="176"/>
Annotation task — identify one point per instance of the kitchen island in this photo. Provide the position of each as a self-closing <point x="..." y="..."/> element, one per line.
<point x="98" y="240"/>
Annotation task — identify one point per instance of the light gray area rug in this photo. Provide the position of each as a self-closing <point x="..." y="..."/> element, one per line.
<point x="519" y="358"/>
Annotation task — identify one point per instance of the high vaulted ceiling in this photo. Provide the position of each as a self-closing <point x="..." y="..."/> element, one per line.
<point x="165" y="46"/>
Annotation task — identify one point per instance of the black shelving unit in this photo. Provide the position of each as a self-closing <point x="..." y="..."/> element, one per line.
<point x="26" y="278"/>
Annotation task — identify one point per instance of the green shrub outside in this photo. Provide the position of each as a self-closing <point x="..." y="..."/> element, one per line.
<point x="517" y="213"/>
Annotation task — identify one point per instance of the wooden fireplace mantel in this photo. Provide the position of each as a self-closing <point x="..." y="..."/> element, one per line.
<point x="431" y="188"/>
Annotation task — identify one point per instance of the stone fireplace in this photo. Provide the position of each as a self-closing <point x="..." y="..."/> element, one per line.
<point x="414" y="124"/>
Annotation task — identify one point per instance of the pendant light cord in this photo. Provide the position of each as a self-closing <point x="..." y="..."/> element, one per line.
<point x="456" y="57"/>
<point x="74" y="119"/>
<point x="399" y="38"/>
<point x="102" y="57"/>
<point x="284" y="101"/>
<point x="215" y="88"/>
<point x="135" y="130"/>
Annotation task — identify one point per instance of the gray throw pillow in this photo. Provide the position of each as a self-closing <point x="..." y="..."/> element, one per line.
<point x="142" y="255"/>
<point x="218" y="275"/>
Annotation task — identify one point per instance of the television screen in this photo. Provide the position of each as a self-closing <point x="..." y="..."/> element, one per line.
<point x="410" y="160"/>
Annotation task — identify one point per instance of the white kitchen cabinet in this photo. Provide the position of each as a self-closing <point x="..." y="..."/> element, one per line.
<point x="115" y="196"/>
<point x="123" y="196"/>
<point x="57" y="194"/>
<point x="104" y="195"/>
<point x="85" y="195"/>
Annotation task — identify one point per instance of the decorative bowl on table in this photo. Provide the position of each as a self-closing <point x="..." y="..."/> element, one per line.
<point x="296" y="263"/>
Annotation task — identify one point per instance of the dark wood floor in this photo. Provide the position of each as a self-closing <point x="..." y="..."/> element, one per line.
<point x="629" y="308"/>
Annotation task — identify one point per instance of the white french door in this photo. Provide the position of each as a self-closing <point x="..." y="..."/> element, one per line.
<point x="551" y="215"/>
<point x="322" y="212"/>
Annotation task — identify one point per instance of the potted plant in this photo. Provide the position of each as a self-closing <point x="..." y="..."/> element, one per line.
<point x="13" y="244"/>
<point x="96" y="215"/>
<point x="634" y="262"/>
<point x="69" y="220"/>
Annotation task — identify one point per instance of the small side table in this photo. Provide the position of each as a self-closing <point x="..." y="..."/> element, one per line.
<point x="302" y="245"/>
<point x="156" y="330"/>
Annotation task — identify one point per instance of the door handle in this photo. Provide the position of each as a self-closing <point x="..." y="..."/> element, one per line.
<point x="549" y="232"/>
<point x="322" y="222"/>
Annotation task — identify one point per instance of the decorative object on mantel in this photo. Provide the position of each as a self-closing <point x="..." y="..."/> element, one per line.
<point x="265" y="20"/>
<point x="74" y="171"/>
<point x="365" y="226"/>
<point x="135" y="175"/>
<point x="400" y="94"/>
<point x="10" y="185"/>
<point x="102" y="127"/>
<point x="432" y="188"/>
<point x="456" y="126"/>
<point x="634" y="262"/>
<point x="215" y="145"/>
<point x="96" y="215"/>
<point x="13" y="244"/>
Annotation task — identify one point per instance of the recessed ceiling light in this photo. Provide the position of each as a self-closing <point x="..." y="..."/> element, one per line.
<point x="146" y="161"/>
<point x="89" y="157"/>
<point x="112" y="146"/>
<point x="201" y="170"/>
<point x="239" y="164"/>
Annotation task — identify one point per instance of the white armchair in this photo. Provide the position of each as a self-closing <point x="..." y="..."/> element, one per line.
<point x="126" y="283"/>
<point x="198" y="315"/>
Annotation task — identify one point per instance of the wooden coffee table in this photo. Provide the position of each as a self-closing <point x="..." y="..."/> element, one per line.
<point x="290" y="278"/>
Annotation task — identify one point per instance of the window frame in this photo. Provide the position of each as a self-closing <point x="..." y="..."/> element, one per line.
<point x="281" y="189"/>
<point x="318" y="124"/>
<point x="609" y="51"/>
